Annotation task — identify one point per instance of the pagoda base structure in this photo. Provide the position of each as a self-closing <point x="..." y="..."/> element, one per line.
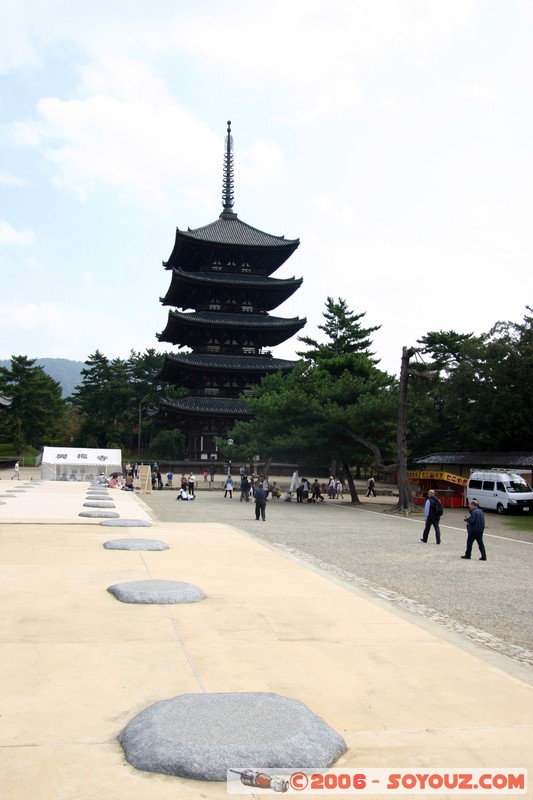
<point x="203" y="420"/>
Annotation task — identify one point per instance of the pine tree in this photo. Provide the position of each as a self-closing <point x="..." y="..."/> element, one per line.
<point x="344" y="331"/>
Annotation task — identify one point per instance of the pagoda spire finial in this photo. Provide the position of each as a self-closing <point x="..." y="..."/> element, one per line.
<point x="227" y="183"/>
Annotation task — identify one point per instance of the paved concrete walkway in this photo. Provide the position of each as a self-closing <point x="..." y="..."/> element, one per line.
<point x="76" y="665"/>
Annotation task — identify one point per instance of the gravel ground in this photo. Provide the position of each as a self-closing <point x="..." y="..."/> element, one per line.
<point x="489" y="602"/>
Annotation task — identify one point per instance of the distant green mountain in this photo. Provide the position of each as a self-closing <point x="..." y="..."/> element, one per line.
<point x="62" y="370"/>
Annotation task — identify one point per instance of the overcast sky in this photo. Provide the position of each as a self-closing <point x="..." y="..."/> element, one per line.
<point x="392" y="137"/>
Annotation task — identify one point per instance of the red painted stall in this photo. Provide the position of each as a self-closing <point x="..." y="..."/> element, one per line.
<point x="449" y="488"/>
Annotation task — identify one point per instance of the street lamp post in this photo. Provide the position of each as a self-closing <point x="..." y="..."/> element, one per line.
<point x="230" y="443"/>
<point x="139" y="432"/>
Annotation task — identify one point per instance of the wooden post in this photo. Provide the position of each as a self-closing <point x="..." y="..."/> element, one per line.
<point x="405" y="495"/>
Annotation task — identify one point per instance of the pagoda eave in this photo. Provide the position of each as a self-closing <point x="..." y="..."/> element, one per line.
<point x="187" y="407"/>
<point x="189" y="289"/>
<point x="180" y="370"/>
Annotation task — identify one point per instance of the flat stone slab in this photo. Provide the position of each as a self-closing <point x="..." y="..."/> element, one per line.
<point x="157" y="592"/>
<point x="99" y="504"/>
<point x="135" y="544"/>
<point x="127" y="523"/>
<point x="99" y="514"/>
<point x="201" y="736"/>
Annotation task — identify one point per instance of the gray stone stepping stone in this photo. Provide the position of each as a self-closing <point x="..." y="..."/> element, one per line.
<point x="98" y="494"/>
<point x="100" y="514"/>
<point x="127" y="523"/>
<point x="201" y="736"/>
<point x="157" y="592"/>
<point x="99" y="504"/>
<point x="135" y="544"/>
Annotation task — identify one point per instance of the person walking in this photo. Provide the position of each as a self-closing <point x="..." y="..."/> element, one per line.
<point x="261" y="495"/>
<point x="17" y="472"/>
<point x="432" y="513"/>
<point x="315" y="491"/>
<point x="191" y="482"/>
<point x="229" y="487"/>
<point x="245" y="489"/>
<point x="475" y="525"/>
<point x="370" y="484"/>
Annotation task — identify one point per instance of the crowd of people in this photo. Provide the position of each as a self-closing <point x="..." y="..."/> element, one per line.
<point x="316" y="492"/>
<point x="257" y="489"/>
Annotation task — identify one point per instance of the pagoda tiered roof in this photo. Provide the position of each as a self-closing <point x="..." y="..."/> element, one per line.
<point x="189" y="289"/>
<point x="205" y="406"/>
<point x="229" y="240"/>
<point x="177" y="368"/>
<point x="197" y="328"/>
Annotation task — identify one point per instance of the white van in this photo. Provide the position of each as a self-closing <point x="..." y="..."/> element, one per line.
<point x="500" y="491"/>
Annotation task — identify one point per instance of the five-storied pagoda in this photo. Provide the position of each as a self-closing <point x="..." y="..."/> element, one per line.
<point x="222" y="272"/>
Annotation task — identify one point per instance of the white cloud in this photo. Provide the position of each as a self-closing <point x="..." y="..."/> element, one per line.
<point x="135" y="147"/>
<point x="73" y="331"/>
<point x="18" y="50"/>
<point x="259" y="163"/>
<point x="315" y="48"/>
<point x="7" y="179"/>
<point x="336" y="213"/>
<point x="479" y="91"/>
<point x="11" y="236"/>
<point x="133" y="138"/>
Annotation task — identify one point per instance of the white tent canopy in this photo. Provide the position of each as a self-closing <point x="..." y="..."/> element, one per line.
<point x="78" y="463"/>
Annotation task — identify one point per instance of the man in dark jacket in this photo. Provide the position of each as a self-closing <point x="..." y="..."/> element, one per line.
<point x="260" y="501"/>
<point x="475" y="525"/>
<point x="432" y="512"/>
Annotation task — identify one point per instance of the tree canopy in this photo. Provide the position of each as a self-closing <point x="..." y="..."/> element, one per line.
<point x="482" y="398"/>
<point x="115" y="397"/>
<point x="36" y="415"/>
<point x="344" y="334"/>
<point x="336" y="406"/>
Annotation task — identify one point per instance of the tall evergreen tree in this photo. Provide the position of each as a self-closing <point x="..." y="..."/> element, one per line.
<point x="482" y="400"/>
<point x="344" y="332"/>
<point x="336" y="406"/>
<point x="36" y="415"/>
